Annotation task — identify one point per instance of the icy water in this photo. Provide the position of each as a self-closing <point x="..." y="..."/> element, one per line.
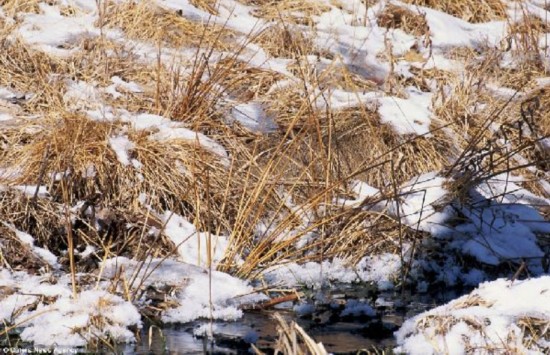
<point x="339" y="334"/>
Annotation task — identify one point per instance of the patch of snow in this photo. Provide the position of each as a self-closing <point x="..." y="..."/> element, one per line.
<point x="121" y="145"/>
<point x="28" y="190"/>
<point x="124" y="86"/>
<point x="194" y="298"/>
<point x="419" y="197"/>
<point x="193" y="245"/>
<point x="82" y="94"/>
<point x="447" y="31"/>
<point x="192" y="137"/>
<point x="408" y="116"/>
<point x="488" y="318"/>
<point x="381" y="269"/>
<point x="56" y="34"/>
<point x="501" y="223"/>
<point x="70" y="322"/>
<point x="164" y="129"/>
<point x="253" y="116"/>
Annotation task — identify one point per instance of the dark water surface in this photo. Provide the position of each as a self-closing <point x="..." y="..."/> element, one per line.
<point x="339" y="334"/>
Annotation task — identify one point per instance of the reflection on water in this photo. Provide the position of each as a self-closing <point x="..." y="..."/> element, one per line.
<point x="174" y="340"/>
<point x="339" y="334"/>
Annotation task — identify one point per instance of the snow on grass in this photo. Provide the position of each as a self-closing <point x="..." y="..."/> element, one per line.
<point x="6" y="93"/>
<point x="28" y="190"/>
<point x="498" y="317"/>
<point x="340" y="99"/>
<point x="122" y="146"/>
<point x="190" y="136"/>
<point x="81" y="94"/>
<point x="501" y="224"/>
<point x="193" y="245"/>
<point x="363" y="192"/>
<point x="57" y="34"/>
<point x="381" y="269"/>
<point x="164" y="130"/>
<point x="27" y="239"/>
<point x="407" y="116"/>
<point x="5" y="117"/>
<point x="121" y="85"/>
<point x="57" y="319"/>
<point x="193" y="296"/>
<point x="65" y="321"/>
<point x="70" y="322"/>
<point x="420" y="196"/>
<point x="447" y="31"/>
<point x="253" y="116"/>
<point x="233" y="15"/>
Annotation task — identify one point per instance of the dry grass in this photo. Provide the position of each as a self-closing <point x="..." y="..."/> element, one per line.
<point x="535" y="329"/>
<point x="277" y="195"/>
<point x="163" y="26"/>
<point x="245" y="82"/>
<point x="275" y="189"/>
<point x="469" y="10"/>
<point x="544" y="120"/>
<point x="12" y="7"/>
<point x="206" y="5"/>
<point x="292" y="339"/>
<point x="288" y="11"/>
<point x="280" y="41"/>
<point x="24" y="69"/>
<point x="14" y="252"/>
<point x="394" y="16"/>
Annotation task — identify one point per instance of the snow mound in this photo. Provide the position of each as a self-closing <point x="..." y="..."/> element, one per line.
<point x="75" y="322"/>
<point x="380" y="269"/>
<point x="193" y="298"/>
<point x="50" y="316"/>
<point x="498" y="317"/>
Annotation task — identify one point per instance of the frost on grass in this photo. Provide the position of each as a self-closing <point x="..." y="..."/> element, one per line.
<point x="501" y="316"/>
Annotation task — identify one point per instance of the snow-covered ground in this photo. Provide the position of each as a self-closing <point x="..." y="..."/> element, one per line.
<point x="498" y="223"/>
<point x="497" y="317"/>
